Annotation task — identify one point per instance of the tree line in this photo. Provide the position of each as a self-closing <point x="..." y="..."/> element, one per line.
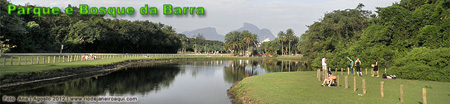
<point x="85" y="33"/>
<point x="410" y="38"/>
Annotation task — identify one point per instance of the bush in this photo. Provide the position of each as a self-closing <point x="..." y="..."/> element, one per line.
<point x="423" y="64"/>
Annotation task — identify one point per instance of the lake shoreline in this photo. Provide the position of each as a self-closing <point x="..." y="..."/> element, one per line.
<point x="9" y="82"/>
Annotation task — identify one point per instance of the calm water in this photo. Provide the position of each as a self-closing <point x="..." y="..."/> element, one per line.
<point x="186" y="82"/>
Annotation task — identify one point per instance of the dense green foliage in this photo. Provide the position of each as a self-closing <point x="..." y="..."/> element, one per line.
<point x="424" y="63"/>
<point x="200" y="44"/>
<point x="409" y="38"/>
<point x="85" y="33"/>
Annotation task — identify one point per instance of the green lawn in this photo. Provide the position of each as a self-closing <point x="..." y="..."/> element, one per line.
<point x="49" y="66"/>
<point x="102" y="60"/>
<point x="304" y="88"/>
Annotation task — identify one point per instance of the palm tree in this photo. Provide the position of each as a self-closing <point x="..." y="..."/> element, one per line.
<point x="282" y="39"/>
<point x="290" y="37"/>
<point x="249" y="39"/>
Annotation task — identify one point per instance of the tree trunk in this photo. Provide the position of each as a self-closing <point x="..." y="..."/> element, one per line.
<point x="290" y="48"/>
<point x="282" y="49"/>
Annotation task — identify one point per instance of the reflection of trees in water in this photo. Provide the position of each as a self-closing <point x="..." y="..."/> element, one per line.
<point x="140" y="80"/>
<point x="282" y="66"/>
<point x="239" y="69"/>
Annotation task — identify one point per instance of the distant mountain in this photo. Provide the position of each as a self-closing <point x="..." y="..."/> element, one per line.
<point x="262" y="33"/>
<point x="209" y="33"/>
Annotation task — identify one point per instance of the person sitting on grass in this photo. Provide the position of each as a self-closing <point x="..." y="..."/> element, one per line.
<point x="330" y="80"/>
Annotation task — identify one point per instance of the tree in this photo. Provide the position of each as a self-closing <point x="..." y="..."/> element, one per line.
<point x="236" y="41"/>
<point x="281" y="38"/>
<point x="4" y="46"/>
<point x="250" y="39"/>
<point x="291" y="38"/>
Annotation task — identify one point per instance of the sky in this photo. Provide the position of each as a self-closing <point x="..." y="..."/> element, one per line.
<point x="229" y="15"/>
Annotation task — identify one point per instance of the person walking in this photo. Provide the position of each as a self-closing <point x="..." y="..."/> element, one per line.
<point x="358" y="67"/>
<point x="375" y="68"/>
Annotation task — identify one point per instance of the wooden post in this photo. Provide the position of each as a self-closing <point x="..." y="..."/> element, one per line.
<point x="11" y="61"/>
<point x="19" y="60"/>
<point x="372" y="72"/>
<point x="318" y="74"/>
<point x="31" y="60"/>
<point x="26" y="61"/>
<point x="401" y="93"/>
<point x="335" y="71"/>
<point x="342" y="72"/>
<point x="59" y="59"/>
<point x="63" y="60"/>
<point x="54" y="59"/>
<point x="348" y="71"/>
<point x="366" y="71"/>
<point x="424" y="95"/>
<point x="354" y="83"/>
<point x="43" y="60"/>
<point x="337" y="80"/>
<point x="37" y="60"/>
<point x="49" y="59"/>
<point x="346" y="81"/>
<point x="382" y="89"/>
<point x="364" y="86"/>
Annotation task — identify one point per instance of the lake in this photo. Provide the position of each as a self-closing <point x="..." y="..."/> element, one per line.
<point x="182" y="82"/>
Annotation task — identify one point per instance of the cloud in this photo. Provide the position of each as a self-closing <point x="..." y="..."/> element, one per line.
<point x="227" y="15"/>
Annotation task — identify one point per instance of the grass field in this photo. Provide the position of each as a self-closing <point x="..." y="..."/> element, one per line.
<point x="304" y="88"/>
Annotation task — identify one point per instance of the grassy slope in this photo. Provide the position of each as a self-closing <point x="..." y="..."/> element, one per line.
<point x="304" y="88"/>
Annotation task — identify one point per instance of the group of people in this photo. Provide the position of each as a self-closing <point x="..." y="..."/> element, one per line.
<point x="87" y="57"/>
<point x="358" y="67"/>
<point x="357" y="64"/>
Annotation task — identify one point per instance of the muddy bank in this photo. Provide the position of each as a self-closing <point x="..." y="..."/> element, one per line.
<point x="15" y="81"/>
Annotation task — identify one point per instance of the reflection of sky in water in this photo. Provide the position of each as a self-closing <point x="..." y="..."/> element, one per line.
<point x="206" y="87"/>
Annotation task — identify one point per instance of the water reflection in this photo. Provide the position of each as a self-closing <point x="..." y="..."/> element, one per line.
<point x="237" y="70"/>
<point x="187" y="81"/>
<point x="134" y="80"/>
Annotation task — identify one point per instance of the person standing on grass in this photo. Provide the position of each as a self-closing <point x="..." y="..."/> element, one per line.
<point x="358" y="67"/>
<point x="375" y="68"/>
<point x="324" y="64"/>
<point x="351" y="65"/>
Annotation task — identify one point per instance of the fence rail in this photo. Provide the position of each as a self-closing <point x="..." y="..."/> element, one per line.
<point x="18" y="59"/>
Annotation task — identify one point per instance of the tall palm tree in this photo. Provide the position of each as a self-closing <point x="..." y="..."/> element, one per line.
<point x="282" y="39"/>
<point x="290" y="37"/>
